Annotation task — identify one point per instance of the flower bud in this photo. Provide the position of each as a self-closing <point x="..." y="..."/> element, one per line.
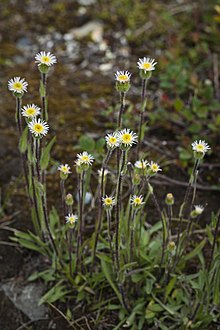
<point x="69" y="199"/>
<point x="145" y="74"/>
<point x="169" y="199"/>
<point x="122" y="87"/>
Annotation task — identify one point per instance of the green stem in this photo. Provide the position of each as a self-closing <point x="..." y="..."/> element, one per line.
<point x="80" y="223"/>
<point x="44" y="97"/>
<point x="215" y="239"/>
<point x="143" y="106"/>
<point x="122" y="107"/>
<point x="182" y="209"/>
<point x="132" y="231"/>
<point x="100" y="210"/>
<point x="163" y="230"/>
<point x="118" y="209"/>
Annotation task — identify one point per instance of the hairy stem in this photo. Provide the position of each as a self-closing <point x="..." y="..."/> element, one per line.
<point x="100" y="209"/>
<point x="141" y="120"/>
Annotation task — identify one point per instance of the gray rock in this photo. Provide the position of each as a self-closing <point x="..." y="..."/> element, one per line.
<point x="26" y="298"/>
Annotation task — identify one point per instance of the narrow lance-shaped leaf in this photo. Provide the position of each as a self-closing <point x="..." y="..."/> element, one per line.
<point x="45" y="157"/>
<point x="23" y="140"/>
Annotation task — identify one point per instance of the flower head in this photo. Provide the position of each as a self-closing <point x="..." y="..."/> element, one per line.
<point x="30" y="111"/>
<point x="137" y="201"/>
<point x="71" y="219"/>
<point x="200" y="148"/>
<point x="153" y="168"/>
<point x="112" y="141"/>
<point x="122" y="81"/>
<point x="18" y="86"/>
<point x="38" y="127"/>
<point x="198" y="209"/>
<point x="47" y="59"/>
<point x="85" y="158"/>
<point x="146" y="64"/>
<point x="141" y="164"/>
<point x="127" y="138"/>
<point x="65" y="169"/>
<point x="122" y="76"/>
<point x="108" y="202"/>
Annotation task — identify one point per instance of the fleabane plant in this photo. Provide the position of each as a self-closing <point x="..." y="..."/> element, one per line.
<point x="107" y="235"/>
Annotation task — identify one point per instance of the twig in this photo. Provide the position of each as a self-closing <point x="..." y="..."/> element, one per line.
<point x="183" y="184"/>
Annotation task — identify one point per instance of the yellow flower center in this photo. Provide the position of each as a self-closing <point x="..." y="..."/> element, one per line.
<point x="113" y="140"/>
<point x="169" y="196"/>
<point x="126" y="138"/>
<point x="85" y="158"/>
<point x="146" y="65"/>
<point x="18" y="86"/>
<point x="72" y="220"/>
<point x="45" y="59"/>
<point x="30" y="111"/>
<point x="137" y="200"/>
<point x="154" y="167"/>
<point x="38" y="128"/>
<point x="108" y="201"/>
<point x="64" y="169"/>
<point x="123" y="77"/>
<point x="200" y="147"/>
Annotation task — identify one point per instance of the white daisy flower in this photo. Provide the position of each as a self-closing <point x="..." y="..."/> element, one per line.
<point x="71" y="219"/>
<point x="65" y="169"/>
<point x="108" y="202"/>
<point x="17" y="85"/>
<point x="45" y="58"/>
<point x="122" y="76"/>
<point x="38" y="127"/>
<point x="200" y="147"/>
<point x="112" y="140"/>
<point x="199" y="209"/>
<point x="84" y="159"/>
<point x="154" y="167"/>
<point x="146" y="64"/>
<point x="141" y="164"/>
<point x="127" y="138"/>
<point x="30" y="111"/>
<point x="137" y="201"/>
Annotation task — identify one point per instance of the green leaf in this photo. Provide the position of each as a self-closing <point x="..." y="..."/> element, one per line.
<point x="107" y="272"/>
<point x="196" y="251"/>
<point x="100" y="144"/>
<point x="87" y="143"/>
<point x="45" y="157"/>
<point x="178" y="104"/>
<point x="47" y="275"/>
<point x="23" y="143"/>
<point x="54" y="219"/>
<point x="170" y="286"/>
<point x="104" y="257"/>
<point x="184" y="154"/>
<point x="57" y="292"/>
<point x="149" y="285"/>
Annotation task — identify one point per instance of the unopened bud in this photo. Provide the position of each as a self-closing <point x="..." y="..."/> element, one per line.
<point x="171" y="246"/>
<point x="69" y="199"/>
<point x="169" y="199"/>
